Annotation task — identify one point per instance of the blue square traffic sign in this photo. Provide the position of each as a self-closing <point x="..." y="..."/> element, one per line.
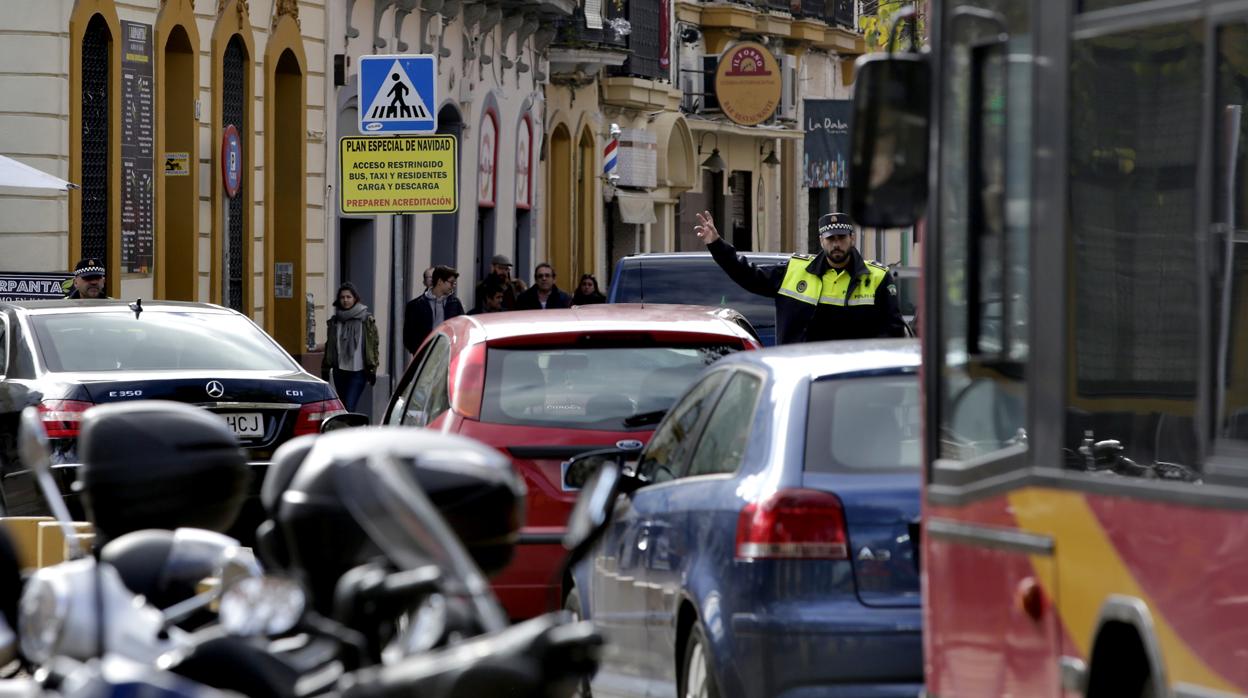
<point x="398" y="94"/>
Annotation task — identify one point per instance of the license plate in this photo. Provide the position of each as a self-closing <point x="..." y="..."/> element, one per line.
<point x="245" y="423"/>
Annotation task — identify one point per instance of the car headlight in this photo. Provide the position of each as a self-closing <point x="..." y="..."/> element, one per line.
<point x="41" y="614"/>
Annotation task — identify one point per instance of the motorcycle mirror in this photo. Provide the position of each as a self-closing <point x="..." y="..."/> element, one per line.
<point x="37" y="455"/>
<point x="592" y="510"/>
<point x="578" y="470"/>
<point x="344" y="420"/>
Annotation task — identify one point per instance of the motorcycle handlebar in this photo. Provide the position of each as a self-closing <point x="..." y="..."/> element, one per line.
<point x="544" y="657"/>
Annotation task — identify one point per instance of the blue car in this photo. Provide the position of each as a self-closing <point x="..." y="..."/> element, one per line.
<point x="766" y="546"/>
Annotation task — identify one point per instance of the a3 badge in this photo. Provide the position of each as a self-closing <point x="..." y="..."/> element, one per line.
<point x="801" y="287"/>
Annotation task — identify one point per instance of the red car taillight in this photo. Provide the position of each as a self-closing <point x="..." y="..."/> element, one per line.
<point x="63" y="418"/>
<point x="794" y="524"/>
<point x="312" y="414"/>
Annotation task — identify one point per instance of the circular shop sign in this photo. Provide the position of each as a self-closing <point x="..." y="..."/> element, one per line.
<point x="231" y="161"/>
<point x="747" y="83"/>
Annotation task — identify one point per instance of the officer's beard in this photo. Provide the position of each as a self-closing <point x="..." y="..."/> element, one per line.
<point x="838" y="258"/>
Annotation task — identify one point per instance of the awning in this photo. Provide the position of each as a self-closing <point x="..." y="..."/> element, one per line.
<point x="637" y="209"/>
<point x="19" y="174"/>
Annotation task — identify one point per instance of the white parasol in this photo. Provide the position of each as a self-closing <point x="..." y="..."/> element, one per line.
<point x="19" y="174"/>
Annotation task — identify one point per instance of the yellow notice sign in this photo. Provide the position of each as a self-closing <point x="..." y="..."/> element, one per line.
<point x="398" y="174"/>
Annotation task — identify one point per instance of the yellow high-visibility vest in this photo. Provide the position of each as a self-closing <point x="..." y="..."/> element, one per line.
<point x="830" y="289"/>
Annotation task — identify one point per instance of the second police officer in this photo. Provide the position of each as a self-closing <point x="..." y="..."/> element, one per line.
<point x="835" y="294"/>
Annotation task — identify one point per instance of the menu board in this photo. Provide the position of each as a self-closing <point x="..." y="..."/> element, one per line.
<point x="137" y="148"/>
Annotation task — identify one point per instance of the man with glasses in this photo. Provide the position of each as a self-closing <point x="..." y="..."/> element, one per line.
<point x="429" y="309"/>
<point x="543" y="294"/>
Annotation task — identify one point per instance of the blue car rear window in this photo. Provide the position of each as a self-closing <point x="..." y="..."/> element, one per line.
<point x="865" y="423"/>
<point x="696" y="281"/>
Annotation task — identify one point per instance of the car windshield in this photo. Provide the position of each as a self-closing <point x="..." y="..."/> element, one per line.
<point x="589" y="387"/>
<point x="105" y="341"/>
<point x="697" y="281"/>
<point x="864" y="423"/>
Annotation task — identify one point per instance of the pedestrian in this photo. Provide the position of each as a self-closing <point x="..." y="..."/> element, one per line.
<point x="587" y="292"/>
<point x="351" y="346"/>
<point x="518" y="286"/>
<point x="491" y="295"/>
<point x="835" y="294"/>
<point x="88" y="282"/>
<point x="500" y="272"/>
<point x="428" y="310"/>
<point x="428" y="278"/>
<point x="543" y="294"/>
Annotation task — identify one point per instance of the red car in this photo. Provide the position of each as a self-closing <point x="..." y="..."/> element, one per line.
<point x="546" y="385"/>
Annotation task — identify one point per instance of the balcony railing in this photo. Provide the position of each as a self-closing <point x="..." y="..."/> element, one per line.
<point x="573" y="31"/>
<point x="835" y="12"/>
<point x="643" y="40"/>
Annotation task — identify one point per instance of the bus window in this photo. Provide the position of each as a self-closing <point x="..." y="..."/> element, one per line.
<point x="1230" y="233"/>
<point x="1133" y="288"/>
<point x="985" y="211"/>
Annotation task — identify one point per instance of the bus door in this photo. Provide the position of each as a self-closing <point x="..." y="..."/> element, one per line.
<point x="979" y="280"/>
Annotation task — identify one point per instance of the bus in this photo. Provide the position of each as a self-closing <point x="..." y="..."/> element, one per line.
<point x="1080" y="165"/>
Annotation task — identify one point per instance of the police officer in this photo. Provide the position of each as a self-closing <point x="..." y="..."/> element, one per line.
<point x="88" y="280"/>
<point x="835" y="294"/>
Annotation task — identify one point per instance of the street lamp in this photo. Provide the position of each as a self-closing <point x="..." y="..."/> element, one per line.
<point x="714" y="163"/>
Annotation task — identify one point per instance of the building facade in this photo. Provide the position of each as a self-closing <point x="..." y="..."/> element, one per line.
<point x="196" y="133"/>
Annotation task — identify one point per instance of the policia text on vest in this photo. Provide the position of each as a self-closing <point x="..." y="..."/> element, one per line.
<point x="817" y="302"/>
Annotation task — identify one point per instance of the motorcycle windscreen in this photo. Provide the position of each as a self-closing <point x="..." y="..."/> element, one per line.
<point x="388" y="503"/>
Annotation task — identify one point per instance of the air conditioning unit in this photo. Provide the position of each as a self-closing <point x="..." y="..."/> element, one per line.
<point x="788" y="88"/>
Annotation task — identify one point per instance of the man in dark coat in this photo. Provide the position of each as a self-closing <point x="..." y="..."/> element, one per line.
<point x="428" y="310"/>
<point x="543" y="294"/>
<point x="835" y="294"/>
<point x="499" y="277"/>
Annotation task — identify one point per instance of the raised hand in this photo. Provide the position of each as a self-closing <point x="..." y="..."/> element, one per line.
<point x="705" y="230"/>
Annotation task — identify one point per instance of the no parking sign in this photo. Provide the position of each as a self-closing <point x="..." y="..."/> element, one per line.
<point x="231" y="161"/>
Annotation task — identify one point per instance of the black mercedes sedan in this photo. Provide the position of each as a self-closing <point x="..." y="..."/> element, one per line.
<point x="66" y="356"/>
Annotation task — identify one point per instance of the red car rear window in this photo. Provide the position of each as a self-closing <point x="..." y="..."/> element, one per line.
<point x="589" y="387"/>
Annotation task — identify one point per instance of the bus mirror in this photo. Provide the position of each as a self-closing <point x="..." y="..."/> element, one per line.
<point x="888" y="169"/>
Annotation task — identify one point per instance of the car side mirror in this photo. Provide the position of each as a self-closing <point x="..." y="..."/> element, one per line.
<point x="888" y="166"/>
<point x="344" y="420"/>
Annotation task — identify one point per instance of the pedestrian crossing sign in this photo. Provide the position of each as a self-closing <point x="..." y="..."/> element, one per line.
<point x="398" y="94"/>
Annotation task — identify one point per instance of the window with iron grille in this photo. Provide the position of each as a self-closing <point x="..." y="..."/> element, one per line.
<point x="95" y="171"/>
<point x="232" y="112"/>
<point x="843" y="12"/>
<point x="645" y="17"/>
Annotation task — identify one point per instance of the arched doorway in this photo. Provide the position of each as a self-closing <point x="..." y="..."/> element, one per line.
<point x="487" y="191"/>
<point x="286" y="176"/>
<point x="524" y="195"/>
<point x="559" y="203"/>
<point x="586" y="211"/>
<point x="177" y="177"/>
<point x="446" y="225"/>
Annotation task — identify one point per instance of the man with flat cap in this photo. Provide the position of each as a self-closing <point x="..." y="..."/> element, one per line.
<point x="88" y="280"/>
<point x="835" y="294"/>
<point x="499" y="277"/>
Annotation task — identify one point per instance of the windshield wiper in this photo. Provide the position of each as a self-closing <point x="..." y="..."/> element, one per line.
<point x="637" y="420"/>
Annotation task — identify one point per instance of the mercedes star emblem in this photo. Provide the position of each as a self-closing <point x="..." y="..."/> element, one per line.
<point x="215" y="389"/>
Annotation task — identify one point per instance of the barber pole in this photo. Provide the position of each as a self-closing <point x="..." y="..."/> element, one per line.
<point x="609" y="152"/>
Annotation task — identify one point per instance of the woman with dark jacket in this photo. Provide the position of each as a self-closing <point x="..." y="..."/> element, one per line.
<point x="350" y="347"/>
<point x="587" y="292"/>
